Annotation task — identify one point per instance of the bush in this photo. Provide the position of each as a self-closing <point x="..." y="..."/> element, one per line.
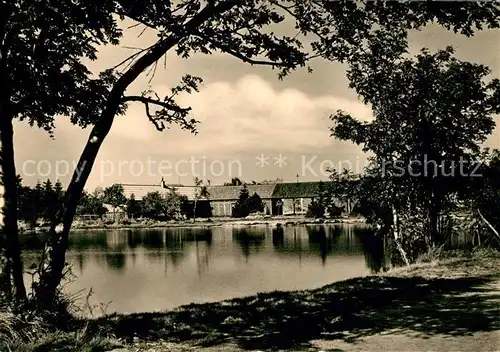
<point x="247" y="204"/>
<point x="315" y="209"/>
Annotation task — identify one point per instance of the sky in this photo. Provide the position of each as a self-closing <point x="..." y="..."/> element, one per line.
<point x="253" y="126"/>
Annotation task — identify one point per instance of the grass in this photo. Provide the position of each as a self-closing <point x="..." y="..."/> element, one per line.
<point x="32" y="335"/>
<point x="443" y="294"/>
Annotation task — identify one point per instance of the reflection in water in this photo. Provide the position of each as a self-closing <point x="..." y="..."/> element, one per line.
<point x="318" y="241"/>
<point x="116" y="260"/>
<point x="374" y="250"/>
<point x="249" y="239"/>
<point x="115" y="248"/>
<point x="147" y="270"/>
<point x="278" y="237"/>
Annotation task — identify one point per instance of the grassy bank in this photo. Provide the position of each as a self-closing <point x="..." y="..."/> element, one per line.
<point x="439" y="296"/>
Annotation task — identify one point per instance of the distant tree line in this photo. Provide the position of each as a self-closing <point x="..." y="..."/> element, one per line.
<point x="38" y="204"/>
<point x="153" y="205"/>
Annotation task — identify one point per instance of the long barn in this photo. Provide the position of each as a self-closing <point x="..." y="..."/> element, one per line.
<point x="291" y="198"/>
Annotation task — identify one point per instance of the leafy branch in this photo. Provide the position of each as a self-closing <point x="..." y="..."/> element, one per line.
<point x="170" y="112"/>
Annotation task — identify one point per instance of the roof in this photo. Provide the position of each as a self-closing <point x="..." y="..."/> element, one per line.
<point x="220" y="192"/>
<point x="233" y="192"/>
<point x="140" y="191"/>
<point x="297" y="189"/>
<point x="187" y="191"/>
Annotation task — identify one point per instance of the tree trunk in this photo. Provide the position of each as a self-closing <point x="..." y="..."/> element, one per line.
<point x="194" y="211"/>
<point x="396" y="230"/>
<point x="11" y="256"/>
<point x="434" y="212"/>
<point x="489" y="226"/>
<point x="5" y="266"/>
<point x="53" y="258"/>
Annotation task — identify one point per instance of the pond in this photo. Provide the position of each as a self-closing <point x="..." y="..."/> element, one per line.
<point x="154" y="270"/>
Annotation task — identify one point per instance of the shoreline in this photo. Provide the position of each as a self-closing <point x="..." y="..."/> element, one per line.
<point x="292" y="320"/>
<point x="430" y="304"/>
<point x="290" y="221"/>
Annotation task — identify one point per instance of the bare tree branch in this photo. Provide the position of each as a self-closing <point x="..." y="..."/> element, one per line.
<point x="169" y="113"/>
<point x="163" y="104"/>
<point x="132" y="57"/>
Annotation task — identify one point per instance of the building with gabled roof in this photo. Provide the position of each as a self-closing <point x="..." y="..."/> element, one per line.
<point x="291" y="198"/>
<point x="140" y="191"/>
<point x="297" y="189"/>
<point x="222" y="198"/>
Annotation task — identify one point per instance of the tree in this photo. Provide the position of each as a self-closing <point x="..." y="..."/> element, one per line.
<point x="37" y="202"/>
<point x="481" y="199"/>
<point x="134" y="208"/>
<point x="113" y="195"/>
<point x="50" y="201"/>
<point x="58" y="189"/>
<point x="173" y="205"/>
<point x="200" y="192"/>
<point x="344" y="187"/>
<point x="340" y="29"/>
<point x="42" y="75"/>
<point x="23" y="203"/>
<point x="431" y="113"/>
<point x="158" y="206"/>
<point x="240" y="208"/>
<point x="255" y="204"/>
<point x="92" y="204"/>
<point x="153" y="205"/>
<point x="319" y="203"/>
<point x="315" y="209"/>
<point x="186" y="207"/>
<point x="235" y="181"/>
<point x="246" y="204"/>
<point x="28" y="209"/>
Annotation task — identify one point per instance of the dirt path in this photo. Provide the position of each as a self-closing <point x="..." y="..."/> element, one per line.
<point x="401" y="340"/>
<point x="484" y="342"/>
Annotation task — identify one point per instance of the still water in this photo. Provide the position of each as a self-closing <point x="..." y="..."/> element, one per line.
<point x="153" y="270"/>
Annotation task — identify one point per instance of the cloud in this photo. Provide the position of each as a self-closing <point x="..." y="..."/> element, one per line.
<point x="237" y="119"/>
<point x="250" y="115"/>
